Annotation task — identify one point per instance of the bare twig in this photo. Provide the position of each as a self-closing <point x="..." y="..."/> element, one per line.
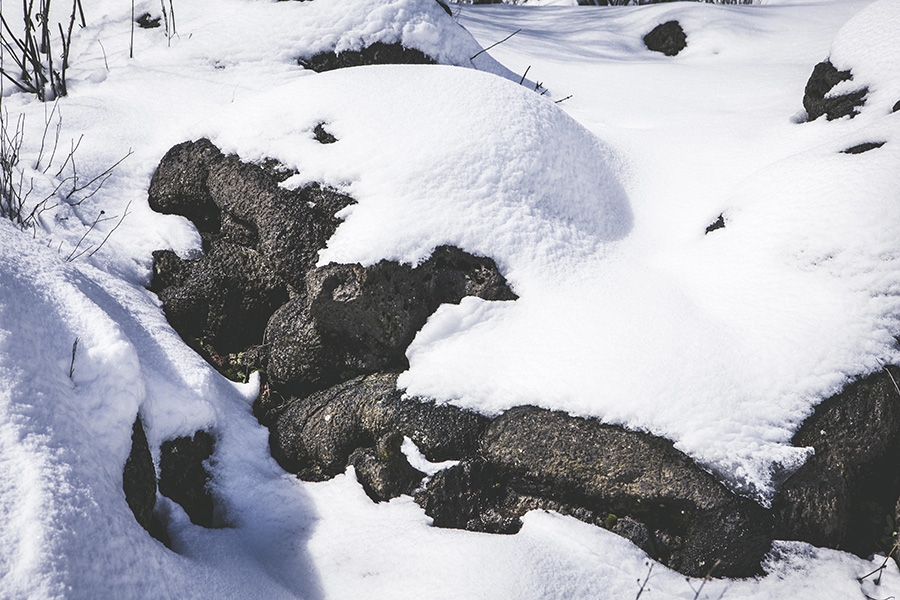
<point x="880" y="570"/>
<point x="562" y="99"/>
<point x="644" y="582"/>
<point x="122" y="218"/>
<point x="483" y="50"/>
<point x="72" y="363"/>
<point x="521" y="81"/>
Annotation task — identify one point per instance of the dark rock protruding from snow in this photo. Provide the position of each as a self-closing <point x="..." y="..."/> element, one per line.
<point x="717" y="224"/>
<point x="818" y="102"/>
<point x="316" y="436"/>
<point x="259" y="241"/>
<point x="322" y="136"/>
<point x="354" y="320"/>
<point x="668" y="38"/>
<point x="896" y="107"/>
<point x="378" y="53"/>
<point x="223" y="299"/>
<point x="139" y="483"/>
<point x="841" y="498"/>
<point x="691" y="518"/>
<point x="864" y="147"/>
<point x="183" y="476"/>
<point x="243" y="203"/>
<point x="384" y="471"/>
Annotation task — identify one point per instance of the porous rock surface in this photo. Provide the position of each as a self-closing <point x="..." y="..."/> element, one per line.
<point x="378" y="53"/>
<point x="816" y="98"/>
<point x="668" y="38"/>
<point x="354" y="320"/>
<point x="183" y="476"/>
<point x="316" y="435"/>
<point x="844" y="494"/>
<point x="680" y="514"/>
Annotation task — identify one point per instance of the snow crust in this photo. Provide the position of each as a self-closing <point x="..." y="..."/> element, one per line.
<point x="596" y="210"/>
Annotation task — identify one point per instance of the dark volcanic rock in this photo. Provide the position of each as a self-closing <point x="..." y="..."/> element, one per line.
<point x="536" y="458"/>
<point x="224" y="298"/>
<point x="471" y="496"/>
<point x="354" y="320"/>
<point x="179" y="184"/>
<point x="322" y="136"/>
<point x="183" y="476"/>
<point x="816" y="100"/>
<point x="865" y="147"/>
<point x="378" y="53"/>
<point x="717" y="224"/>
<point x="384" y="471"/>
<point x="668" y="38"/>
<point x="841" y="497"/>
<point x="259" y="241"/>
<point x="316" y="436"/>
<point x="139" y="483"/>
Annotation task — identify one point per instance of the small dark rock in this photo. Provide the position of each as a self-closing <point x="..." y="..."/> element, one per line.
<point x="896" y="107"/>
<point x="378" y="53"/>
<point x="146" y="21"/>
<point x="139" y="483"/>
<point x="718" y="224"/>
<point x="668" y="38"/>
<point x="842" y="495"/>
<point x="183" y="476"/>
<point x="824" y="77"/>
<point x="865" y="147"/>
<point x="322" y="136"/>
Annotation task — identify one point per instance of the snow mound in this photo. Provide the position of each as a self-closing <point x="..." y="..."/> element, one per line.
<point x="342" y="25"/>
<point x="869" y="45"/>
<point x="477" y="162"/>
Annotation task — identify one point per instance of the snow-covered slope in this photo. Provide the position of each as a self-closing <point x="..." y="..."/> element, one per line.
<point x="595" y="208"/>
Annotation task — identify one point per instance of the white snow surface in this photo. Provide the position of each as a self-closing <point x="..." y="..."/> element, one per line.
<point x="595" y="208"/>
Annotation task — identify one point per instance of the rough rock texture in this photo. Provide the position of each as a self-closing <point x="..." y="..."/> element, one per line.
<point x="378" y="53"/>
<point x="668" y="38"/>
<point x="139" y="483"/>
<point x="316" y="436"/>
<point x="865" y="147"/>
<point x="384" y="471"/>
<point x="242" y="203"/>
<point x="817" y="102"/>
<point x="259" y="241"/>
<point x="354" y="320"/>
<point x="844" y="493"/>
<point x="183" y="476"/>
<point x="535" y="458"/>
<point x="224" y="298"/>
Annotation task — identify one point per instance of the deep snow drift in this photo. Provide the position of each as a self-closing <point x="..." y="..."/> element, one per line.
<point x="596" y="210"/>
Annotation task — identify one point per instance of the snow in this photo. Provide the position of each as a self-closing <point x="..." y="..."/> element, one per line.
<point x="595" y="208"/>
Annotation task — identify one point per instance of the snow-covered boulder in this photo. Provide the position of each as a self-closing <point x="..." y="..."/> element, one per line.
<point x="863" y="67"/>
<point x="346" y="33"/>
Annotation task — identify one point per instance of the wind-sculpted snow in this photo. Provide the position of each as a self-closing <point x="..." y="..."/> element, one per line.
<point x="627" y="309"/>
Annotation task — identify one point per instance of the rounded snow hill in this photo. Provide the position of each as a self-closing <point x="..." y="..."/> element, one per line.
<point x="441" y="155"/>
